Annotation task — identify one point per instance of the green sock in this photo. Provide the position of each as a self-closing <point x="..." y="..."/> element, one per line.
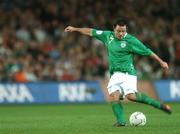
<point x="118" y="111"/>
<point x="142" y="98"/>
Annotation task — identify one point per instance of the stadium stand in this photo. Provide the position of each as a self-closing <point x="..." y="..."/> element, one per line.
<point x="33" y="46"/>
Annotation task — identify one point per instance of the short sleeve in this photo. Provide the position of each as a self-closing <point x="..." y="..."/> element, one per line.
<point x="139" y="48"/>
<point x="100" y="35"/>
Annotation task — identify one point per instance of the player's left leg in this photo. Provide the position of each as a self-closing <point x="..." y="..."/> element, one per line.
<point x="131" y="93"/>
<point x="142" y="98"/>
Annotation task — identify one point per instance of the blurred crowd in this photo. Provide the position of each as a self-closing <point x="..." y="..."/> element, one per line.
<point x="33" y="46"/>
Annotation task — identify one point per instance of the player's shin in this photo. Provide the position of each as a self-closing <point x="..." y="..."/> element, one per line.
<point x="142" y="98"/>
<point x="118" y="111"/>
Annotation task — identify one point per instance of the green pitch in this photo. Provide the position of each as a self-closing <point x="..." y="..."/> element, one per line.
<point x="83" y="119"/>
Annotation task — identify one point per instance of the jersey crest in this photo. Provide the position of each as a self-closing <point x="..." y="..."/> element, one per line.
<point x="123" y="44"/>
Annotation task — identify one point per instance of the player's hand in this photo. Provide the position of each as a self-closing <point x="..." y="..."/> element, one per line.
<point x="69" y="29"/>
<point x="164" y="65"/>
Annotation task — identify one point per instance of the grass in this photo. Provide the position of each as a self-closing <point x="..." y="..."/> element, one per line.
<point x="83" y="119"/>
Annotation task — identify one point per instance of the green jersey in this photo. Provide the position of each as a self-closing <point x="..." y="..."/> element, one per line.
<point x="121" y="52"/>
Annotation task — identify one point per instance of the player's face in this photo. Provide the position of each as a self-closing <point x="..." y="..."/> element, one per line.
<point x="119" y="31"/>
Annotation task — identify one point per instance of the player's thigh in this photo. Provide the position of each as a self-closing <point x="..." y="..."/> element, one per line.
<point x="114" y="96"/>
<point x="130" y="85"/>
<point x="131" y="96"/>
<point x="115" y="91"/>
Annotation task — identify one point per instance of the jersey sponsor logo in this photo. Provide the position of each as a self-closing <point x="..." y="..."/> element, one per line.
<point x="99" y="32"/>
<point x="123" y="44"/>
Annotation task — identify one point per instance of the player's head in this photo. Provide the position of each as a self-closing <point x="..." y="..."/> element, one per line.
<point x="120" y="28"/>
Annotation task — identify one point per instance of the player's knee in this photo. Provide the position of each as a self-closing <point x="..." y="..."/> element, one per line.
<point x="114" y="96"/>
<point x="131" y="97"/>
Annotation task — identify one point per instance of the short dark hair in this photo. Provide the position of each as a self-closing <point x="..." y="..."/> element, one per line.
<point x="120" y="22"/>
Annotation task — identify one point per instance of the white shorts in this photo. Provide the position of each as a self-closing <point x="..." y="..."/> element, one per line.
<point x="122" y="82"/>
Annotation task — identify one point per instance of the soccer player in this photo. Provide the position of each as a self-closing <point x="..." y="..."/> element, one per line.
<point x="121" y="47"/>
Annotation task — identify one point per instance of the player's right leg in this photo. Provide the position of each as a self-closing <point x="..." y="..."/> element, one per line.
<point x="117" y="109"/>
<point x="115" y="93"/>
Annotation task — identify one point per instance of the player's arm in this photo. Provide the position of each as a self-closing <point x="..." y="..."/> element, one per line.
<point x="85" y="31"/>
<point x="158" y="59"/>
<point x="98" y="34"/>
<point x="139" y="48"/>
